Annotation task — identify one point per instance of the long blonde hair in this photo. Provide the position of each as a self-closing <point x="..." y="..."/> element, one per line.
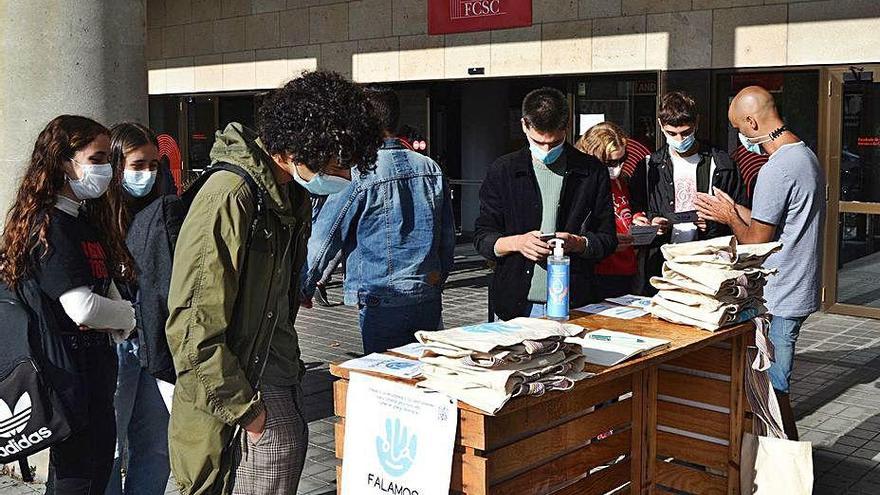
<point x="602" y="140"/>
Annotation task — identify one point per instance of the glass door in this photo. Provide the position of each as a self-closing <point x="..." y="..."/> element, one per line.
<point x="852" y="264"/>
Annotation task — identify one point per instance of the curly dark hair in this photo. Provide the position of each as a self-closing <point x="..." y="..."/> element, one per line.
<point x="320" y="116"/>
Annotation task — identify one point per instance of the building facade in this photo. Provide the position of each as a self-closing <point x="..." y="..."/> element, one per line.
<point x="209" y="61"/>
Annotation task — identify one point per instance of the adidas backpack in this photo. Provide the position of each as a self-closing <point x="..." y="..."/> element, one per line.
<point x="32" y="415"/>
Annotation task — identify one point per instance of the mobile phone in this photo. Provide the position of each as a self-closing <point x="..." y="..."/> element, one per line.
<point x="547" y="237"/>
<point x="685" y="217"/>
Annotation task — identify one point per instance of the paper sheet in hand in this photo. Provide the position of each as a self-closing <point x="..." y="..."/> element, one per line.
<point x="612" y="311"/>
<point x="640" y="302"/>
<point x="385" y="364"/>
<point x="643" y="234"/>
<point x="608" y="348"/>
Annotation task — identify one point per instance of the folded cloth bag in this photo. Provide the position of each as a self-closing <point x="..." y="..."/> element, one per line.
<point x="665" y="314"/>
<point x="462" y="365"/>
<point x="489" y="390"/>
<point x="500" y="356"/>
<point x="719" y="316"/>
<point x="487" y="337"/>
<point x="726" y="294"/>
<point x="720" y="250"/>
<point x="495" y="379"/>
<point x="708" y="303"/>
<point x="711" y="247"/>
<point x="770" y="463"/>
<point x="713" y="280"/>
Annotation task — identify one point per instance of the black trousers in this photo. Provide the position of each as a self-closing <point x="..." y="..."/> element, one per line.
<point x="81" y="464"/>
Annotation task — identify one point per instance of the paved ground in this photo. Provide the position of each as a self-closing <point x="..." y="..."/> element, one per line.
<point x="837" y="376"/>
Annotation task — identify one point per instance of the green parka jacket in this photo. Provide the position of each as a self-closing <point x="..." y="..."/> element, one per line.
<point x="224" y="304"/>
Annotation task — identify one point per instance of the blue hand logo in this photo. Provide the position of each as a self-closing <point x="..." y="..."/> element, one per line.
<point x="397" y="451"/>
<point x="394" y="365"/>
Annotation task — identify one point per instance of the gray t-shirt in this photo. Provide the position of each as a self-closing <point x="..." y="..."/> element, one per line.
<point x="789" y="194"/>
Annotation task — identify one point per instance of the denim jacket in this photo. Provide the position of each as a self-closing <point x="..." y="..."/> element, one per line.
<point x="395" y="227"/>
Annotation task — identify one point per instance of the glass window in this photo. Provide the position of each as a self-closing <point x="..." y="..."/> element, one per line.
<point x="237" y="109"/>
<point x="860" y="140"/>
<point x="858" y="275"/>
<point x="629" y="101"/>
<point x="201" y="117"/>
<point x="795" y="94"/>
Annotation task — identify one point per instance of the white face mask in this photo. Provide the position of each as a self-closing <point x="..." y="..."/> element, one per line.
<point x="322" y="184"/>
<point x="614" y="172"/>
<point x="94" y="182"/>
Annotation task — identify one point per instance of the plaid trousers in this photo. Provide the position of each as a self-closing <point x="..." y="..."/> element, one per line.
<point x="273" y="464"/>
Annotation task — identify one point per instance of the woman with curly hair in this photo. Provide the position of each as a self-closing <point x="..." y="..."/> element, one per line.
<point x="236" y="421"/>
<point x="61" y="233"/>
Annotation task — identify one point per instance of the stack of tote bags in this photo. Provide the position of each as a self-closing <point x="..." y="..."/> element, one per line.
<point x="712" y="283"/>
<point x="486" y="365"/>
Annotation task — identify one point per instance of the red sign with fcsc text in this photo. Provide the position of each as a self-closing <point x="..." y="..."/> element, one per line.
<point x="459" y="16"/>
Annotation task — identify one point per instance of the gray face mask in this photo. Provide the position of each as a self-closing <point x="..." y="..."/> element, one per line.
<point x="94" y="182"/>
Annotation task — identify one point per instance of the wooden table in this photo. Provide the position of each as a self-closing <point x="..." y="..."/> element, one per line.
<point x="675" y="418"/>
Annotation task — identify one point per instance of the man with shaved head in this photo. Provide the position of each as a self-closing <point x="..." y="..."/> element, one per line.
<point x="788" y="206"/>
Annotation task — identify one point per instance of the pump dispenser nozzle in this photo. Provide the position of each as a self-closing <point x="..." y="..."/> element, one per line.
<point x="558" y="247"/>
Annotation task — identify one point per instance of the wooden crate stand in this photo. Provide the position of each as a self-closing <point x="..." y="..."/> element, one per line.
<point x="670" y="420"/>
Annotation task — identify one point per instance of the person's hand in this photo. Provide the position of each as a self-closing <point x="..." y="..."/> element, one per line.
<point x="641" y="220"/>
<point x="718" y="208"/>
<point x="624" y="242"/>
<point x="701" y="224"/>
<point x="572" y="243"/>
<point x="662" y="222"/>
<point x="532" y="247"/>
<point x="256" y="427"/>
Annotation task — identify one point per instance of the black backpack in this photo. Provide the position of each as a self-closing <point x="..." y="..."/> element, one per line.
<point x="151" y="239"/>
<point x="34" y="414"/>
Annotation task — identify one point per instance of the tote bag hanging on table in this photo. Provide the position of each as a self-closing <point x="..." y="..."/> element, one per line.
<point x="770" y="464"/>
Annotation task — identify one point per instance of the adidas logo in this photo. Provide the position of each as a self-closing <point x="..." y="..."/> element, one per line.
<point x="13" y="422"/>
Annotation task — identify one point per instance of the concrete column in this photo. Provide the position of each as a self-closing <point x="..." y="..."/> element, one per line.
<point x="81" y="57"/>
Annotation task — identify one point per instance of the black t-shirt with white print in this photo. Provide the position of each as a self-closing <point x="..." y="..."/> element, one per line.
<point x="75" y="258"/>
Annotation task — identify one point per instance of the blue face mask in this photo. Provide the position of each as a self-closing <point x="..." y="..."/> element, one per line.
<point x="138" y="183"/>
<point x="546" y="157"/>
<point x="750" y="146"/>
<point x="681" y="146"/>
<point x="321" y="184"/>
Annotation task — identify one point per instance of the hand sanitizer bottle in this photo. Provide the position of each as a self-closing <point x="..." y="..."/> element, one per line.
<point x="558" y="266"/>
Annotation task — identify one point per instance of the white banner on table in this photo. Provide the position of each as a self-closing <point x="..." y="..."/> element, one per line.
<point x="398" y="439"/>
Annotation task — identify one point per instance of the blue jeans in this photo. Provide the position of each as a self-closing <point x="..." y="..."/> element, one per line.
<point x="386" y="327"/>
<point x="783" y="334"/>
<point x="142" y="426"/>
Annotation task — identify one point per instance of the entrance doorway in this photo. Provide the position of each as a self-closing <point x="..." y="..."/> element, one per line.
<point x="852" y="264"/>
